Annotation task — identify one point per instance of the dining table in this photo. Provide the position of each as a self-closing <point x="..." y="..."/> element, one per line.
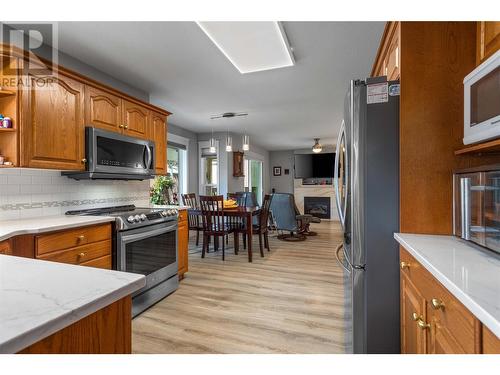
<point x="246" y="213"/>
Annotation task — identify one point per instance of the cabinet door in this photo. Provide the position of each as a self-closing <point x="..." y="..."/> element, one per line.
<point x="488" y="39"/>
<point x="183" y="243"/>
<point x="443" y="342"/>
<point x="413" y="337"/>
<point x="159" y="129"/>
<point x="53" y="127"/>
<point x="5" y="247"/>
<point x="136" y="120"/>
<point x="392" y="59"/>
<point x="102" y="110"/>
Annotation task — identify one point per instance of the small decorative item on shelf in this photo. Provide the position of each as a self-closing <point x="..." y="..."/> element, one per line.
<point x="161" y="192"/>
<point x="1" y="159"/>
<point x="6" y="122"/>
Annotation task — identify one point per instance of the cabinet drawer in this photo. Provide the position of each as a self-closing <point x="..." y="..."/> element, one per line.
<point x="47" y="243"/>
<point x="103" y="262"/>
<point x="183" y="214"/>
<point x="5" y="247"/>
<point x="80" y="254"/>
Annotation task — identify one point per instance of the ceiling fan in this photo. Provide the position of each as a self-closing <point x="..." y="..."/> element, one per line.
<point x="228" y="115"/>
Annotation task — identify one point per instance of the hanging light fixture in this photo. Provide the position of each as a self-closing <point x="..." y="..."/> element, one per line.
<point x="246" y="142"/>
<point x="229" y="143"/>
<point x="212" y="148"/>
<point x="317" y="148"/>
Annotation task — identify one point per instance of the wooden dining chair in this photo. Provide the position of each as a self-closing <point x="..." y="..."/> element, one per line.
<point x="262" y="228"/>
<point x="214" y="223"/>
<point x="194" y="220"/>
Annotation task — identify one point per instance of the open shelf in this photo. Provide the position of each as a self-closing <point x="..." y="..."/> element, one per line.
<point x="7" y="166"/>
<point x="4" y="93"/>
<point x="481" y="148"/>
<point x="7" y="129"/>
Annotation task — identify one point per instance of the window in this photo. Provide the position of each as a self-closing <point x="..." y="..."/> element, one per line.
<point x="253" y="178"/>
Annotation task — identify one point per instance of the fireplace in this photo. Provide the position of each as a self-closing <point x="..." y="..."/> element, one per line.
<point x="317" y="206"/>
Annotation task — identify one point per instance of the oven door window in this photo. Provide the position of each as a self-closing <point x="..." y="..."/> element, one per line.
<point x="150" y="254"/>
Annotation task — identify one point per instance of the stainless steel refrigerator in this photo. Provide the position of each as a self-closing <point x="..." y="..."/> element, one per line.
<point x="367" y="194"/>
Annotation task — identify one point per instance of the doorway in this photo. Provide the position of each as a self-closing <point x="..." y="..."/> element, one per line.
<point x="253" y="170"/>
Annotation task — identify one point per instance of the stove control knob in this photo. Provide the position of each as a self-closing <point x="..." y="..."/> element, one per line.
<point x="164" y="213"/>
<point x="143" y="217"/>
<point x="130" y="219"/>
<point x="137" y="218"/>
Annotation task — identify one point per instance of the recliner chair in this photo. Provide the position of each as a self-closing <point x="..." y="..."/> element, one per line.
<point x="283" y="209"/>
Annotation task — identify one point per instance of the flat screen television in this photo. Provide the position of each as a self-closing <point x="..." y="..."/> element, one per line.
<point x="314" y="165"/>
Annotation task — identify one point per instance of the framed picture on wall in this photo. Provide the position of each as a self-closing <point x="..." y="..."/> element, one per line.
<point x="287" y="171"/>
<point x="276" y="171"/>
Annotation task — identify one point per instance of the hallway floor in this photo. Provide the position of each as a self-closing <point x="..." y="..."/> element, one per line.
<point x="290" y="301"/>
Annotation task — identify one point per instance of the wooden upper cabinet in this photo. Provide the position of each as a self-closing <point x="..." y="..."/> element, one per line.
<point x="413" y="309"/>
<point x="53" y="123"/>
<point x="159" y="130"/>
<point x="136" y="120"/>
<point x="102" y="109"/>
<point x="387" y="62"/>
<point x="488" y="40"/>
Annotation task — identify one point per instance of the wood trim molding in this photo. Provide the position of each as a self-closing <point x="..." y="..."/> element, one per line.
<point x="13" y="51"/>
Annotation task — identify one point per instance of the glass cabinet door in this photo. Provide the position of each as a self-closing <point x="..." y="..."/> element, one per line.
<point x="492" y="210"/>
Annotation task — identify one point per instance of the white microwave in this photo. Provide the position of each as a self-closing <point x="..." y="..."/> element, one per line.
<point x="482" y="101"/>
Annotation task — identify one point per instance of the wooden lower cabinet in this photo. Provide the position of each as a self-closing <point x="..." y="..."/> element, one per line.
<point x="5" y="247"/>
<point x="413" y="307"/>
<point x="433" y="321"/>
<point x="183" y="244"/>
<point x="86" y="246"/>
<point x="107" y="331"/>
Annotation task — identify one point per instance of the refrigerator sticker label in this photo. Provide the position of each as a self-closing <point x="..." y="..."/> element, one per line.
<point x="377" y="93"/>
<point x="394" y="90"/>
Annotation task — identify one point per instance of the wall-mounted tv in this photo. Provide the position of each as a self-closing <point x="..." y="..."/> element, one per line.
<point x="314" y="165"/>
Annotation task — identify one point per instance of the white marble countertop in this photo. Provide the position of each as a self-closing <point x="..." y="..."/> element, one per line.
<point x="39" y="298"/>
<point x="10" y="228"/>
<point x="470" y="273"/>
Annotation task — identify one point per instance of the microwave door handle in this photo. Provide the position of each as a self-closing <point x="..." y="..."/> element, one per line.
<point x="147" y="161"/>
<point x="465" y="207"/>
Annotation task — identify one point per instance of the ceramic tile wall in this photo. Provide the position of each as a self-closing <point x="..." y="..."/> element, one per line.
<point x="39" y="192"/>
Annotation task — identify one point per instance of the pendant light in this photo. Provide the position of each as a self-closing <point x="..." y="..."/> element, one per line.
<point x="229" y="143"/>
<point x="317" y="148"/>
<point x="246" y="142"/>
<point x="212" y="143"/>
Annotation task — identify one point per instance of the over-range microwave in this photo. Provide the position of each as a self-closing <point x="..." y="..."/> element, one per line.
<point x="114" y="156"/>
<point x="482" y="101"/>
<point x="476" y="206"/>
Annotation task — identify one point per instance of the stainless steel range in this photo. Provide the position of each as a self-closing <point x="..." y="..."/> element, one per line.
<point x="145" y="242"/>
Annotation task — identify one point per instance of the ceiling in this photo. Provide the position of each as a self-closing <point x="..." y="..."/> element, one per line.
<point x="185" y="73"/>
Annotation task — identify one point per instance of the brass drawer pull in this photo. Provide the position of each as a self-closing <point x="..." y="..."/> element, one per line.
<point x="126" y="126"/>
<point x="81" y="255"/>
<point x="437" y="304"/>
<point x="420" y="321"/>
<point x="121" y="126"/>
<point x="84" y="161"/>
<point x="81" y="237"/>
<point x="404" y="265"/>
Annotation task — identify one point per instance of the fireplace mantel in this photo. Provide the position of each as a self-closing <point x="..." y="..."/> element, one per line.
<point x="301" y="191"/>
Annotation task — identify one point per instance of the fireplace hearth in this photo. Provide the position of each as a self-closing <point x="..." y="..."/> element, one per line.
<point x="317" y="206"/>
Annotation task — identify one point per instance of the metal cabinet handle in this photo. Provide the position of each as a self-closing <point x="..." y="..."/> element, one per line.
<point x="420" y="321"/>
<point x="437" y="304"/>
<point x="81" y="237"/>
<point x="404" y="265"/>
<point x="126" y="126"/>
<point x="81" y="255"/>
<point x="415" y="316"/>
<point x="121" y="126"/>
<point x="84" y="161"/>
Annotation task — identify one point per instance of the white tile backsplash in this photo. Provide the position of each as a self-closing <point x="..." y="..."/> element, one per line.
<point x="26" y="192"/>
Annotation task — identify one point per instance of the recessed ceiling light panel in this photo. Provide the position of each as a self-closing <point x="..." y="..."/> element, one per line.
<point x="251" y="46"/>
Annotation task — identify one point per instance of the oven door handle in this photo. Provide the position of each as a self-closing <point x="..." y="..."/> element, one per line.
<point x="146" y="234"/>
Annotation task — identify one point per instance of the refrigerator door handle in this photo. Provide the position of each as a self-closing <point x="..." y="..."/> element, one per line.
<point x="337" y="251"/>
<point x="352" y="266"/>
<point x="341" y="210"/>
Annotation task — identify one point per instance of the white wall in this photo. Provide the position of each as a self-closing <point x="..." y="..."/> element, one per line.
<point x="285" y="160"/>
<point x="40" y="192"/>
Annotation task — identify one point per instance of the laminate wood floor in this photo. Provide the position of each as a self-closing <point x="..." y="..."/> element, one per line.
<point x="290" y="301"/>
